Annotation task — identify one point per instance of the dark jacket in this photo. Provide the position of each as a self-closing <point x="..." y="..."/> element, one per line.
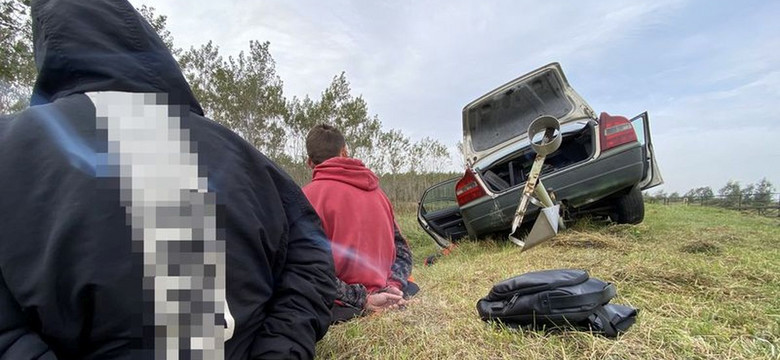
<point x="73" y="275"/>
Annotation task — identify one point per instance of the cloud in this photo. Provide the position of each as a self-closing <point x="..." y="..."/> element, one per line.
<point x="703" y="70"/>
<point x="738" y="106"/>
<point x="692" y="157"/>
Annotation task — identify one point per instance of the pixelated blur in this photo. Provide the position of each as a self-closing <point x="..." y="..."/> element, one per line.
<point x="173" y="218"/>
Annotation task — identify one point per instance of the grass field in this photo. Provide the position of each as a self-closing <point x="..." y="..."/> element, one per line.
<point x="706" y="281"/>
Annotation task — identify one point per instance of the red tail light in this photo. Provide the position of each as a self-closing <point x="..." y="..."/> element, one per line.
<point x="615" y="130"/>
<point x="468" y="189"/>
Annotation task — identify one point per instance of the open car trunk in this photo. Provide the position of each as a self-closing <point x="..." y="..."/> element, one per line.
<point x="576" y="147"/>
<point x="499" y="119"/>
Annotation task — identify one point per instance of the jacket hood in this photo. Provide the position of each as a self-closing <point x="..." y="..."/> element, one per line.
<point x="101" y="45"/>
<point x="347" y="170"/>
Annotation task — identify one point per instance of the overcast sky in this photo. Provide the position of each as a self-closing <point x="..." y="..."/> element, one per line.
<point x="708" y="72"/>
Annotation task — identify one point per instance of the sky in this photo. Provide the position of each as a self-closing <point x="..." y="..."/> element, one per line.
<point x="707" y="72"/>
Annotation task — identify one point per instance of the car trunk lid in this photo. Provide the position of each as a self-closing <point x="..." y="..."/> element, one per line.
<point x="501" y="117"/>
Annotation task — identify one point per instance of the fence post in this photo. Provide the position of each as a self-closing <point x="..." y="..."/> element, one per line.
<point x="778" y="205"/>
<point x="739" y="202"/>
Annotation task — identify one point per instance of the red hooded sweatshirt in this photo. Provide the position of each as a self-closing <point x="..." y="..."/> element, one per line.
<point x="357" y="217"/>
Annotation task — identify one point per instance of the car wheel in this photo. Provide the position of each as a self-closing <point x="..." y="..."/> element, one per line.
<point x="629" y="208"/>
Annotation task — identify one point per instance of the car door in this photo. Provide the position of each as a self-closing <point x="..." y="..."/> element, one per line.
<point x="439" y="215"/>
<point x="651" y="176"/>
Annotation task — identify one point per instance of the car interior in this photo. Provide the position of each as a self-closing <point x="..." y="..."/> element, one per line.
<point x="575" y="148"/>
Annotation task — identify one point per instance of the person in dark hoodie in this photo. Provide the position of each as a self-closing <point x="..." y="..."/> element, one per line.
<point x="132" y="226"/>
<point x="373" y="261"/>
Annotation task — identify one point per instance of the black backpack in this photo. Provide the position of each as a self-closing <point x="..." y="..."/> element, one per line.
<point x="557" y="298"/>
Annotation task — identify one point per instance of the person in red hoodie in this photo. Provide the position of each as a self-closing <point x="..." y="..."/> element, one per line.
<point x="372" y="259"/>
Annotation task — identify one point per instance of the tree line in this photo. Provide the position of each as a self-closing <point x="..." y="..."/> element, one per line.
<point x="732" y="194"/>
<point x="244" y="93"/>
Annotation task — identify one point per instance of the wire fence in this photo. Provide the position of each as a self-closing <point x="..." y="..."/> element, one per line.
<point x="767" y="204"/>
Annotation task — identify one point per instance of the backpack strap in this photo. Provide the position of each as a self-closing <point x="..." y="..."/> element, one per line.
<point x="580" y="300"/>
<point x="612" y="319"/>
<point x="606" y="322"/>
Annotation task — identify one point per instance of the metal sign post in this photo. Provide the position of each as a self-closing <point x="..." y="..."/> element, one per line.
<point x="549" y="221"/>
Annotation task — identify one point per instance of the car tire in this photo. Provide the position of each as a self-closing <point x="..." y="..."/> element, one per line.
<point x="629" y="208"/>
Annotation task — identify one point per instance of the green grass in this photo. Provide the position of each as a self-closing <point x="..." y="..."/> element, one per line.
<point x="706" y="281"/>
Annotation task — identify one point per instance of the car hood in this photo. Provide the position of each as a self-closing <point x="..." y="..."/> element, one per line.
<point x="501" y="117"/>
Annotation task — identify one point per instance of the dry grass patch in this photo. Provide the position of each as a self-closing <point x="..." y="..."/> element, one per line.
<point x="587" y="240"/>
<point x="701" y="247"/>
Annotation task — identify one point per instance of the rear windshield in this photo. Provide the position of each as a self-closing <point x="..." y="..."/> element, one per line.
<point x="508" y="114"/>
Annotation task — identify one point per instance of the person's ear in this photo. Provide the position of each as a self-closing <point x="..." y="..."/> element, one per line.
<point x="343" y="152"/>
<point x="310" y="163"/>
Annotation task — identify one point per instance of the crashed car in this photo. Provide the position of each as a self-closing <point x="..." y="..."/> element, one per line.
<point x="600" y="168"/>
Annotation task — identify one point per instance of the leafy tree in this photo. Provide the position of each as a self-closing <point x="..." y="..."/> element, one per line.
<point x="302" y="115"/>
<point x="245" y="94"/>
<point x="337" y="107"/>
<point x="763" y="192"/>
<point x="394" y="147"/>
<point x="747" y="193"/>
<point x="730" y="193"/>
<point x="705" y="193"/>
<point x="392" y="153"/>
<point x="462" y="157"/>
<point x="350" y="115"/>
<point x="250" y="99"/>
<point x="204" y="69"/>
<point x="702" y="194"/>
<point x="659" y="195"/>
<point x="17" y="69"/>
<point x="428" y="155"/>
<point x="159" y="23"/>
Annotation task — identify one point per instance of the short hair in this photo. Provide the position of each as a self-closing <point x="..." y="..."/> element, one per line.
<point x="324" y="142"/>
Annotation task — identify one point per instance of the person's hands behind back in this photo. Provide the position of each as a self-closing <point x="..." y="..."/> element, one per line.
<point x="393" y="290"/>
<point x="392" y="298"/>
